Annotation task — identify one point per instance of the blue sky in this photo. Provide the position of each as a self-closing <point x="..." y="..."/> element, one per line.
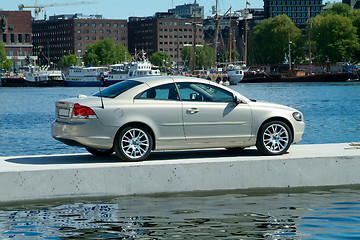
<point x="122" y="9"/>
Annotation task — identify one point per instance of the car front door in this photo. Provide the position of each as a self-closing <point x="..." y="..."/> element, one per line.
<point x="211" y="116"/>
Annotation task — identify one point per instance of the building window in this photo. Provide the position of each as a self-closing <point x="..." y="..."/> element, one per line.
<point x="4" y="38"/>
<point x="19" y="53"/>
<point x="27" y="53"/>
<point x="12" y="38"/>
<point x="19" y="39"/>
<point x="78" y="38"/>
<point x="108" y="24"/>
<point x="101" y="37"/>
<point x="116" y="31"/>
<point x="86" y="24"/>
<point x="11" y="53"/>
<point x="93" y="24"/>
<point x="115" y="24"/>
<point x="122" y="25"/>
<point x="108" y="31"/>
<point x="101" y="31"/>
<point x="116" y="38"/>
<point x="94" y="38"/>
<point x="78" y="24"/>
<point x="79" y="44"/>
<point x="122" y="38"/>
<point x="78" y="31"/>
<point x="86" y="38"/>
<point x="93" y="31"/>
<point x="123" y="31"/>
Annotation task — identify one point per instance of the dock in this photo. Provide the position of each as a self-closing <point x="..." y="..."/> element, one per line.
<point x="67" y="176"/>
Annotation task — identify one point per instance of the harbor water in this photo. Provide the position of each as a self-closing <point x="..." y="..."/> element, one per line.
<point x="332" y="115"/>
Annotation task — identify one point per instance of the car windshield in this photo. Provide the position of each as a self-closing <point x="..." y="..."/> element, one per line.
<point x="117" y="89"/>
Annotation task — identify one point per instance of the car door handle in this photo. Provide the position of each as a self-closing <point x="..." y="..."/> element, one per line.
<point x="192" y="110"/>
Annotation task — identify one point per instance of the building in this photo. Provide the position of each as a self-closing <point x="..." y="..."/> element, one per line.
<point x="298" y="11"/>
<point x="15" y="28"/>
<point x="71" y="34"/>
<point x="163" y="32"/>
<point x="187" y="11"/>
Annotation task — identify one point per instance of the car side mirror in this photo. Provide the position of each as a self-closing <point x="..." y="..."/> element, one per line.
<point x="237" y="100"/>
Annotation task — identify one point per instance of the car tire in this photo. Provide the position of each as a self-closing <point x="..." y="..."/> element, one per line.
<point x="100" y="152"/>
<point x="274" y="138"/>
<point x="133" y="143"/>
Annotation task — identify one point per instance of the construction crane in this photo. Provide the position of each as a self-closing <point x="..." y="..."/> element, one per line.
<point x="38" y="7"/>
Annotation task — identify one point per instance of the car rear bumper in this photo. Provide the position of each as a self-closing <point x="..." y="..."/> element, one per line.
<point x="90" y="133"/>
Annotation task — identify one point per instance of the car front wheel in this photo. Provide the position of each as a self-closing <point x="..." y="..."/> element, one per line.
<point x="133" y="144"/>
<point x="274" y="138"/>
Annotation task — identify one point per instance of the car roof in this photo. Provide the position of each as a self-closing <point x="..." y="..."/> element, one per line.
<point x="158" y="80"/>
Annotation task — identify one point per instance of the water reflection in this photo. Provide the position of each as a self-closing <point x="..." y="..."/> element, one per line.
<point x="317" y="215"/>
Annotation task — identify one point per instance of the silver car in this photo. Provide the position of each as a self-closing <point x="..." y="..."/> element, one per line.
<point x="137" y="116"/>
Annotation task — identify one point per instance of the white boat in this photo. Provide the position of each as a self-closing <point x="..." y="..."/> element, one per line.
<point x="42" y="76"/>
<point x="120" y="72"/>
<point x="235" y="74"/>
<point x="86" y="77"/>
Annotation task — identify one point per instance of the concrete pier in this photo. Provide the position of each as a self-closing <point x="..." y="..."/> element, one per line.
<point x="26" y="178"/>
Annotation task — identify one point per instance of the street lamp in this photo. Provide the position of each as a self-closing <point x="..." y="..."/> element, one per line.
<point x="290" y="42"/>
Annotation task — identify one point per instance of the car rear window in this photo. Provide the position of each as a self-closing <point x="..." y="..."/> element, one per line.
<point x="117" y="89"/>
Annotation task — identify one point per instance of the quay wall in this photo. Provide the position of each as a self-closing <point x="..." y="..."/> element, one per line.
<point x="25" y="178"/>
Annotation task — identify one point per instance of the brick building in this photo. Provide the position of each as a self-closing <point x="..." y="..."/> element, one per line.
<point x="71" y="34"/>
<point x="162" y="32"/>
<point x="15" y="29"/>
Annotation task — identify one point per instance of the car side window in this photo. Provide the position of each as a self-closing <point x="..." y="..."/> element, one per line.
<point x="163" y="92"/>
<point x="203" y="93"/>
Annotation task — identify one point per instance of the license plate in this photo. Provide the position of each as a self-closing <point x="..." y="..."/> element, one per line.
<point x="64" y="112"/>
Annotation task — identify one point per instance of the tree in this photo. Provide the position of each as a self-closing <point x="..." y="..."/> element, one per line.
<point x="68" y="60"/>
<point x="339" y="9"/>
<point x="159" y="58"/>
<point x="5" y="64"/>
<point x="105" y="52"/>
<point x="335" y="38"/>
<point x="270" y="39"/>
<point x="203" y="59"/>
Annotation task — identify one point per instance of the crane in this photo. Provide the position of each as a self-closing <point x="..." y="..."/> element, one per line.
<point x="38" y="8"/>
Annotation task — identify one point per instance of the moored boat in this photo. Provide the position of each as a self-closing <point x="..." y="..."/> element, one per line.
<point x="86" y="77"/>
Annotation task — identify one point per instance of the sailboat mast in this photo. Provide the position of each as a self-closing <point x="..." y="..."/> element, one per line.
<point x="216" y="32"/>
<point x="310" y="25"/>
<point x="194" y="44"/>
<point x="230" y="40"/>
<point x="245" y="43"/>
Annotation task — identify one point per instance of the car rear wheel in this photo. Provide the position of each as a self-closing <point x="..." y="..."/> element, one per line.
<point x="133" y="144"/>
<point x="100" y="152"/>
<point x="274" y="138"/>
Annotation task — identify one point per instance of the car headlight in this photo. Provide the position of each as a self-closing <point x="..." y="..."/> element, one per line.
<point x="297" y="116"/>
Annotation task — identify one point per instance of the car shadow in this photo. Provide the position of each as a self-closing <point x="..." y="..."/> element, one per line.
<point x="154" y="156"/>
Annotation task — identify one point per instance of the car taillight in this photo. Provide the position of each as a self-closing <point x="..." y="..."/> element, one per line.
<point x="80" y="111"/>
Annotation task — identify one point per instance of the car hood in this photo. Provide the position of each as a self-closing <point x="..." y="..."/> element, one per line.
<point x="262" y="104"/>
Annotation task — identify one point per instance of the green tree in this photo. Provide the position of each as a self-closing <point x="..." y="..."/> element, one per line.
<point x="269" y="41"/>
<point x="339" y="9"/>
<point x="68" y="60"/>
<point x="204" y="56"/>
<point x="160" y="58"/>
<point x="5" y="64"/>
<point x="335" y="38"/>
<point x="105" y="52"/>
